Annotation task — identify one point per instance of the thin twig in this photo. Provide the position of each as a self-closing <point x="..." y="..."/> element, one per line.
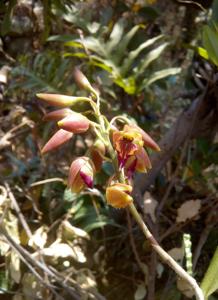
<point x="164" y="255"/>
<point x="132" y="242"/>
<point x="15" y="247"/>
<point x="49" y="180"/>
<point x="18" y="211"/>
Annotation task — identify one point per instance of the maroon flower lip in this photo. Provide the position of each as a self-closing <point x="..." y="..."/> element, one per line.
<point x="88" y="180"/>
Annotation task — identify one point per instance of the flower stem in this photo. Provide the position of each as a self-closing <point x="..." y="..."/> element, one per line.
<point x="154" y="244"/>
<point x="164" y="255"/>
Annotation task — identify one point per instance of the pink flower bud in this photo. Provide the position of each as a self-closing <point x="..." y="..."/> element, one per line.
<point x="81" y="174"/>
<point x="58" y="139"/>
<point x="75" y="122"/>
<point x="81" y="80"/>
<point x="58" y="100"/>
<point x="57" y="115"/>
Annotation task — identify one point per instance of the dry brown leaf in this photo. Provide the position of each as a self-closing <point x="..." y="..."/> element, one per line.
<point x="14" y="266"/>
<point x="188" y="210"/>
<point x="150" y="205"/>
<point x="185" y="288"/>
<point x="176" y="253"/>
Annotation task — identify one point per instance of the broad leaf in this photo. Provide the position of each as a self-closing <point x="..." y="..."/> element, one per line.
<point x="150" y="57"/>
<point x="134" y="54"/>
<point x="210" y="41"/>
<point x="210" y="281"/>
<point x="115" y="35"/>
<point x="125" y="42"/>
<point x="160" y="75"/>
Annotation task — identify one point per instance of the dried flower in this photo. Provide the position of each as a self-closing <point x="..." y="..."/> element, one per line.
<point x="118" y="195"/>
<point x="81" y="174"/>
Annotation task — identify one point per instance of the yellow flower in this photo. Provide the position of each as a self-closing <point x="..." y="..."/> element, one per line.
<point x="118" y="195"/>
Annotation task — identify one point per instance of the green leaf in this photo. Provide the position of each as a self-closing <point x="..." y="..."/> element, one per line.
<point x="203" y="52"/>
<point x="210" y="281"/>
<point x="134" y="54"/>
<point x="150" y="57"/>
<point x="210" y="42"/>
<point x="6" y="23"/>
<point x="115" y="35"/>
<point x="125" y="42"/>
<point x="160" y="75"/>
<point x="215" y="11"/>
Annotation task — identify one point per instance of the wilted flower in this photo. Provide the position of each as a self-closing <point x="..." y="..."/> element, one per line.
<point x="118" y="195"/>
<point x="75" y="122"/>
<point x="58" y="139"/>
<point x="81" y="174"/>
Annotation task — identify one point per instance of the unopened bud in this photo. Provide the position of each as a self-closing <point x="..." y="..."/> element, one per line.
<point x="75" y="122"/>
<point x="57" y="115"/>
<point x="83" y="82"/>
<point x="58" y="100"/>
<point x="58" y="139"/>
<point x="81" y="174"/>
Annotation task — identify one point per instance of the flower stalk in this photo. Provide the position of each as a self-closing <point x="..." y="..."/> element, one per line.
<point x="126" y="150"/>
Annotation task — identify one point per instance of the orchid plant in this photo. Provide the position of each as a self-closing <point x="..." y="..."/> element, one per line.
<point x="124" y="145"/>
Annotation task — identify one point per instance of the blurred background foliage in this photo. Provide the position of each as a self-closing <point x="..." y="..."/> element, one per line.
<point x="149" y="60"/>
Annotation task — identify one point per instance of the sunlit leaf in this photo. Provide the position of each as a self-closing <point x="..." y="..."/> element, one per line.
<point x="150" y="57"/>
<point x="134" y="54"/>
<point x="210" y="281"/>
<point x="210" y="42"/>
<point x="160" y="75"/>
<point x="115" y="35"/>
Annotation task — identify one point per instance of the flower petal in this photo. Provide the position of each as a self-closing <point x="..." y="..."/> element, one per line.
<point x="118" y="196"/>
<point x="143" y="162"/>
<point x="148" y="141"/>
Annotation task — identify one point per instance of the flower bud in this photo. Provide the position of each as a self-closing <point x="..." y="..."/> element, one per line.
<point x="81" y="80"/>
<point x="58" y="139"/>
<point x="75" y="122"/>
<point x="148" y="141"/>
<point x="57" y="115"/>
<point x="58" y="100"/>
<point x="117" y="195"/>
<point x="97" y="151"/>
<point x="81" y="174"/>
